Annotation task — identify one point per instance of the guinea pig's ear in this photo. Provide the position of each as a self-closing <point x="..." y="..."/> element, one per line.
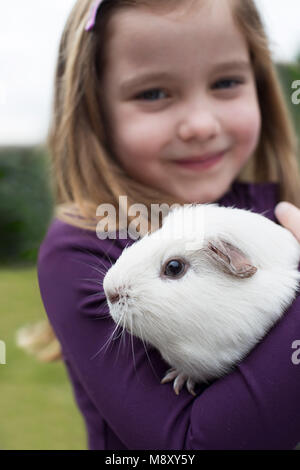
<point x="230" y="258"/>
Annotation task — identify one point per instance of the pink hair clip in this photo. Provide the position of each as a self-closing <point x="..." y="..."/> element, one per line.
<point x="93" y="14"/>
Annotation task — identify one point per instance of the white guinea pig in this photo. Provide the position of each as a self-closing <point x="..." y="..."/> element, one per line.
<point x="204" y="288"/>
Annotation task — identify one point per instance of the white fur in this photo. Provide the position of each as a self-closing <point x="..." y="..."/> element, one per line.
<point x="206" y="321"/>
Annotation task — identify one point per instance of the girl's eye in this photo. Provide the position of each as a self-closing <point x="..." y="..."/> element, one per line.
<point x="150" y="95"/>
<point x="228" y="83"/>
<point x="155" y="94"/>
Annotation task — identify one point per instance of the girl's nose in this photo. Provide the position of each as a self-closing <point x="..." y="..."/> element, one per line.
<point x="199" y="124"/>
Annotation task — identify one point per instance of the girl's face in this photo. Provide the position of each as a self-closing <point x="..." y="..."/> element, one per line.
<point x="179" y="89"/>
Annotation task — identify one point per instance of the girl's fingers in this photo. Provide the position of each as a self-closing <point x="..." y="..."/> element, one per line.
<point x="289" y="216"/>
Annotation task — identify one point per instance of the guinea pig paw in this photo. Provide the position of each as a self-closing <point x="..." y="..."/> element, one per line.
<point x="179" y="380"/>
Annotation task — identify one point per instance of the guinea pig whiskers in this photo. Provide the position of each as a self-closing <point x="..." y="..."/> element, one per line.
<point x="102" y="317"/>
<point x="93" y="295"/>
<point x="119" y="335"/>
<point x="148" y="357"/>
<point x="132" y="346"/>
<point x="99" y="260"/>
<point x="99" y="270"/>
<point x="122" y="340"/>
<point x="96" y="268"/>
<point x="111" y="337"/>
<point x="89" y="279"/>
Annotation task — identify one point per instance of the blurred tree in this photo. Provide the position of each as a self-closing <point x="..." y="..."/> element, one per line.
<point x="25" y="202"/>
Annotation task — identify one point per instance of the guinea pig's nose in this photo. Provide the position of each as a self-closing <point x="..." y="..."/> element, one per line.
<point x="113" y="297"/>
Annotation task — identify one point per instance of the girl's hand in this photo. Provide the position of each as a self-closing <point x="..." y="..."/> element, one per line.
<point x="289" y="216"/>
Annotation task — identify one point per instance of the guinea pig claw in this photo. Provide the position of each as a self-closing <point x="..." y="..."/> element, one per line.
<point x="179" y="383"/>
<point x="179" y="380"/>
<point x="171" y="374"/>
<point x="190" y="385"/>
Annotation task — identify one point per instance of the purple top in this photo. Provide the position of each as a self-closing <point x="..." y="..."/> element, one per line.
<point x="124" y="405"/>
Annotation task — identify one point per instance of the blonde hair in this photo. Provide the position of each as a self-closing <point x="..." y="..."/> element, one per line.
<point x="84" y="171"/>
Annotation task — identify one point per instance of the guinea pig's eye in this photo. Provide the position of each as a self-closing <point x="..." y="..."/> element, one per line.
<point x="174" y="268"/>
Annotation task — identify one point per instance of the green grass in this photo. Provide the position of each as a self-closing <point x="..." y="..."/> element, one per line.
<point x="37" y="409"/>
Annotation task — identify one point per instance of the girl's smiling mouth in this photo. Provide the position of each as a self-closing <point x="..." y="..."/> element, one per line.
<point x="200" y="163"/>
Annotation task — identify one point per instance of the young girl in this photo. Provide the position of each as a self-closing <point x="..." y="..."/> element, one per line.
<point x="165" y="101"/>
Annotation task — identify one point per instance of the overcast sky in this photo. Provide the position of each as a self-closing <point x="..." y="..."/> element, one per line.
<point x="29" y="35"/>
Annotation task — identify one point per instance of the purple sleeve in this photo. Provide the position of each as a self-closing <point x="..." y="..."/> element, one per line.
<point x="255" y="407"/>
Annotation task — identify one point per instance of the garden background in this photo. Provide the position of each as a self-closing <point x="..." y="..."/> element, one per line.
<point x="37" y="405"/>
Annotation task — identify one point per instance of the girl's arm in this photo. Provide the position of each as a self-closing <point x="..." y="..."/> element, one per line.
<point x="255" y="407"/>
